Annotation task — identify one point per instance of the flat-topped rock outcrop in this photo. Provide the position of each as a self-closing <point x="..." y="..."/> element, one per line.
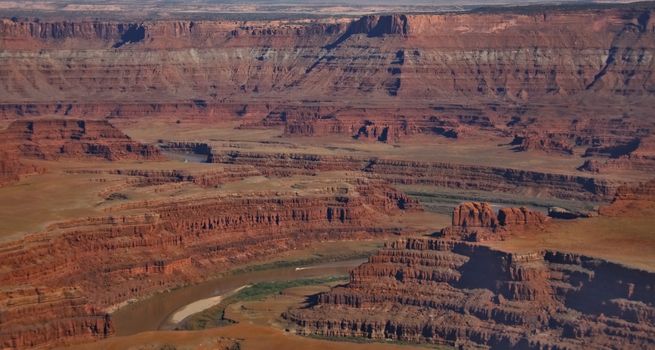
<point x="470" y="296"/>
<point x="478" y="221"/>
<point x="64" y="138"/>
<point x="439" y="174"/>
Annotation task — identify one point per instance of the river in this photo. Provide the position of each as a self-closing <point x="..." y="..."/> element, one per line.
<point x="155" y="313"/>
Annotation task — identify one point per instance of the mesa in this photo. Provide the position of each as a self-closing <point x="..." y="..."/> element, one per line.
<point x="257" y="175"/>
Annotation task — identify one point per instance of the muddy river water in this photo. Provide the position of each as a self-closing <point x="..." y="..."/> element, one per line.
<point x="155" y="312"/>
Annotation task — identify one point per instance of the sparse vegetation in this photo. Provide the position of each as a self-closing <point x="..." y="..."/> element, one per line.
<point x="443" y="200"/>
<point x="314" y="259"/>
<point x="215" y="316"/>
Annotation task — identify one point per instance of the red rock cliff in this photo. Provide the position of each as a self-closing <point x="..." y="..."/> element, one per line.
<point x="55" y="138"/>
<point x="470" y="296"/>
<point x="120" y="257"/>
<point x="475" y="221"/>
<point x="465" y="59"/>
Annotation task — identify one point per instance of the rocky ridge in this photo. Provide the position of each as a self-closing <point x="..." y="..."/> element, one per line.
<point x="438" y="174"/>
<point x="166" y="244"/>
<point x="64" y="138"/>
<point x="375" y="78"/>
<point x="470" y="296"/>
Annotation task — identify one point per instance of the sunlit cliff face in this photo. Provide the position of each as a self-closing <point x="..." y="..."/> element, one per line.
<point x="147" y="146"/>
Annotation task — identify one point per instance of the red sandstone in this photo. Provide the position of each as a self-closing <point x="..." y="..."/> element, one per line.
<point x="469" y="296"/>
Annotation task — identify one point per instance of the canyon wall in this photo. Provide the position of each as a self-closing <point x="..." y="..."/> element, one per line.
<point x="381" y="78"/>
<point x="560" y="82"/>
<point x="34" y="316"/>
<point x="11" y="167"/>
<point x="514" y="56"/>
<point x="466" y="295"/>
<point x="57" y="138"/>
<point x="157" y="245"/>
<point x="459" y="176"/>
<point x="466" y="59"/>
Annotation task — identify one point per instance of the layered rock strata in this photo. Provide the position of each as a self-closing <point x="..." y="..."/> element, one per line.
<point x="34" y="316"/>
<point x="459" y="176"/>
<point x="63" y="138"/>
<point x="470" y="296"/>
<point x="546" y="143"/>
<point x="475" y="221"/>
<point x="11" y="168"/>
<point x="381" y="125"/>
<point x="166" y="244"/>
<point x="385" y="57"/>
<point x="518" y="72"/>
<point x="633" y="200"/>
<point x="635" y="154"/>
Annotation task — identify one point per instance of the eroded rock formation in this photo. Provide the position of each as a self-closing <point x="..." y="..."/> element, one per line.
<point x="34" y="316"/>
<point x="632" y="200"/>
<point x="546" y="143"/>
<point x="558" y="85"/>
<point x="63" y="138"/>
<point x="166" y="244"/>
<point x="635" y="154"/>
<point x="472" y="177"/>
<point x="475" y="221"/>
<point x="11" y="168"/>
<point x="471" y="296"/>
<point x="570" y="60"/>
<point x="480" y="65"/>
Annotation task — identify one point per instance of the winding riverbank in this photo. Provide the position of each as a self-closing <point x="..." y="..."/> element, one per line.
<point x="200" y="305"/>
<point x="159" y="311"/>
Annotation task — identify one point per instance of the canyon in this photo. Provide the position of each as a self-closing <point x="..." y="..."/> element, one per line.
<point x="481" y="68"/>
<point x="470" y="296"/>
<point x="493" y="164"/>
<point x="131" y="256"/>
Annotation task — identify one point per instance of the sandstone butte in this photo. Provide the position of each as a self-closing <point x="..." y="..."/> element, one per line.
<point x="476" y="221"/>
<point x="564" y="83"/>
